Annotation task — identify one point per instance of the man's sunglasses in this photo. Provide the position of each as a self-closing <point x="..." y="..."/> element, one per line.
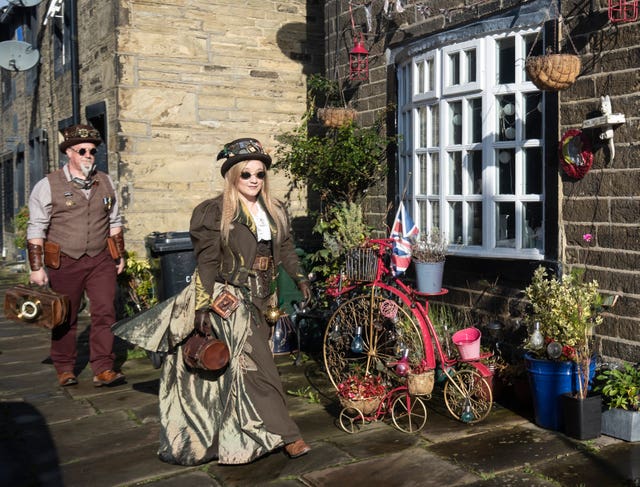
<point x="247" y="175"/>
<point x="83" y="151"/>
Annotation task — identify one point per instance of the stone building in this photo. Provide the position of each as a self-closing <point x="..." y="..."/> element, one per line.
<point x="478" y="156"/>
<point x="166" y="83"/>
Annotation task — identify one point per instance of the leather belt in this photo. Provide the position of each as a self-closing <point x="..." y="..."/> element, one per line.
<point x="262" y="263"/>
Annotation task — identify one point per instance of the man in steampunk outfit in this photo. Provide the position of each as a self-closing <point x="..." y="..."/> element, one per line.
<point x="76" y="208"/>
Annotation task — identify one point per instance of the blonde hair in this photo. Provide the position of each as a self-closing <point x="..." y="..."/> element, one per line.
<point x="231" y="201"/>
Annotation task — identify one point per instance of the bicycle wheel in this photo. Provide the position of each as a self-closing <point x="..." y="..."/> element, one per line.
<point x="387" y="328"/>
<point x="351" y="420"/>
<point x="409" y="413"/>
<point x="468" y="396"/>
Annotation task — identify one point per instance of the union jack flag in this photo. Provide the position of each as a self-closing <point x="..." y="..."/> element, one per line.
<point x="403" y="233"/>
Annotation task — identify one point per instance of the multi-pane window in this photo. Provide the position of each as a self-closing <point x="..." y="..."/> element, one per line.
<point x="472" y="148"/>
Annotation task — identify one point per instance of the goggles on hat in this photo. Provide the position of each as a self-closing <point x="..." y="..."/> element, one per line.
<point x="239" y="147"/>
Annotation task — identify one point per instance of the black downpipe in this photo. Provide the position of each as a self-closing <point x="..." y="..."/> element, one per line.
<point x="75" y="74"/>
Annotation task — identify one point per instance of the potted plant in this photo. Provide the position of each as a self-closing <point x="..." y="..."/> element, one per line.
<point x="428" y="254"/>
<point x="361" y="392"/>
<point x="559" y="359"/>
<point x="620" y="389"/>
<point x="328" y="94"/>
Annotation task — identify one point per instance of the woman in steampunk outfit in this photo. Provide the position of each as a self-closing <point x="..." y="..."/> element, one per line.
<point x="240" y="238"/>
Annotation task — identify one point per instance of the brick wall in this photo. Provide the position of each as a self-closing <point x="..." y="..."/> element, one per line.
<point x="606" y="202"/>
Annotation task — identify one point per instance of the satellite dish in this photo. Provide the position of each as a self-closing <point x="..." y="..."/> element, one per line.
<point x="18" y="55"/>
<point x="24" y="3"/>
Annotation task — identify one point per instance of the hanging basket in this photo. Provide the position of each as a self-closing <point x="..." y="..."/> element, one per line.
<point x="365" y="405"/>
<point x="420" y="384"/>
<point x="336" y="117"/>
<point x="553" y="72"/>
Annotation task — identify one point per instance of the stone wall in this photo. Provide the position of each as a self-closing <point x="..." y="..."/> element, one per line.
<point x="193" y="75"/>
<point x="606" y="202"/>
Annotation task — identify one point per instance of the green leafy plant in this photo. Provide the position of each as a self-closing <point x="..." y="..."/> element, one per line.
<point x="430" y="247"/>
<point x="566" y="308"/>
<point x="567" y="312"/>
<point x="306" y="392"/>
<point x="344" y="229"/>
<point x="340" y="164"/>
<point x="20" y="222"/>
<point x="137" y="282"/>
<point x="323" y="91"/>
<point x="620" y="387"/>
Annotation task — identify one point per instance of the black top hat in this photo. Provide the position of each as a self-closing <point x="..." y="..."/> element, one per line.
<point x="242" y="150"/>
<point x="78" y="134"/>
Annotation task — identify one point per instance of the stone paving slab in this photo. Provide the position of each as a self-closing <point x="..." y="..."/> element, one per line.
<point x="190" y="479"/>
<point x="502" y="449"/>
<point x="409" y="468"/>
<point x="277" y="465"/>
<point x="128" y="467"/>
<point x="612" y="467"/>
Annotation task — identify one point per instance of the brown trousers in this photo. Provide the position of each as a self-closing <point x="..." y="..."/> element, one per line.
<point x="97" y="277"/>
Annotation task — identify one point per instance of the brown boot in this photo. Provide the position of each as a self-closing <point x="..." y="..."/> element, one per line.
<point x="108" y="378"/>
<point x="297" y="448"/>
<point x="67" y="379"/>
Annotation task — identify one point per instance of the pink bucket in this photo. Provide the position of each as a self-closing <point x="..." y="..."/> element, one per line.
<point x="468" y="343"/>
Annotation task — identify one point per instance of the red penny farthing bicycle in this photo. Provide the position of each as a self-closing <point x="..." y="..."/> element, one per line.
<point x="391" y="320"/>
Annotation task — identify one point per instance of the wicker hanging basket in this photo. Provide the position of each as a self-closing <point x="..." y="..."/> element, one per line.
<point x="553" y="72"/>
<point x="336" y="117"/>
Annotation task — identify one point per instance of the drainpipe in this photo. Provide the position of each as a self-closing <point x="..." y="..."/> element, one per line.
<point x="75" y="74"/>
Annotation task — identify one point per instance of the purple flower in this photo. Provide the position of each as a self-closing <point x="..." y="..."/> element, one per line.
<point x="587" y="237"/>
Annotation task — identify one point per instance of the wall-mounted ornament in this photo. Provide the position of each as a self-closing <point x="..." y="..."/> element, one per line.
<point x="623" y="10"/>
<point x="576" y="156"/>
<point x="606" y="123"/>
<point x="359" y="60"/>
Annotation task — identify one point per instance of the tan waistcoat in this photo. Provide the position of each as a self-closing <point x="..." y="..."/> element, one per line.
<point x="79" y="224"/>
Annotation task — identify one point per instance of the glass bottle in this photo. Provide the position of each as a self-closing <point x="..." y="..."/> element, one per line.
<point x="357" y="344"/>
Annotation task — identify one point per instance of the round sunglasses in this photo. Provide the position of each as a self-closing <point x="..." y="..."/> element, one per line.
<point x="83" y="151"/>
<point x="247" y="175"/>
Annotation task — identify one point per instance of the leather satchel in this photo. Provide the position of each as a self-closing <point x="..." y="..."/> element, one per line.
<point x="51" y="254"/>
<point x="113" y="250"/>
<point x="203" y="350"/>
<point x="40" y="306"/>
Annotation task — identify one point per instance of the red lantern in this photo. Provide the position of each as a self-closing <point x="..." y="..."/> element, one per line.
<point x="359" y="61"/>
<point x="623" y="10"/>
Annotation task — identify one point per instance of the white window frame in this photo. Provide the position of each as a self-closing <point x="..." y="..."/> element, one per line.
<point x="418" y="142"/>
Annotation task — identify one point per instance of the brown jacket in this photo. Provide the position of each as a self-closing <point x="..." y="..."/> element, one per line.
<point x="233" y="263"/>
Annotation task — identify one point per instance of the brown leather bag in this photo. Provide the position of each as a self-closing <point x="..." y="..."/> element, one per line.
<point x="203" y="350"/>
<point x="51" y="254"/>
<point x="113" y="250"/>
<point x="40" y="306"/>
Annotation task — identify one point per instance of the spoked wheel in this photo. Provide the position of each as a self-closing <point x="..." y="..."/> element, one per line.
<point x="468" y="396"/>
<point x="386" y="329"/>
<point x="351" y="420"/>
<point x="409" y="414"/>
